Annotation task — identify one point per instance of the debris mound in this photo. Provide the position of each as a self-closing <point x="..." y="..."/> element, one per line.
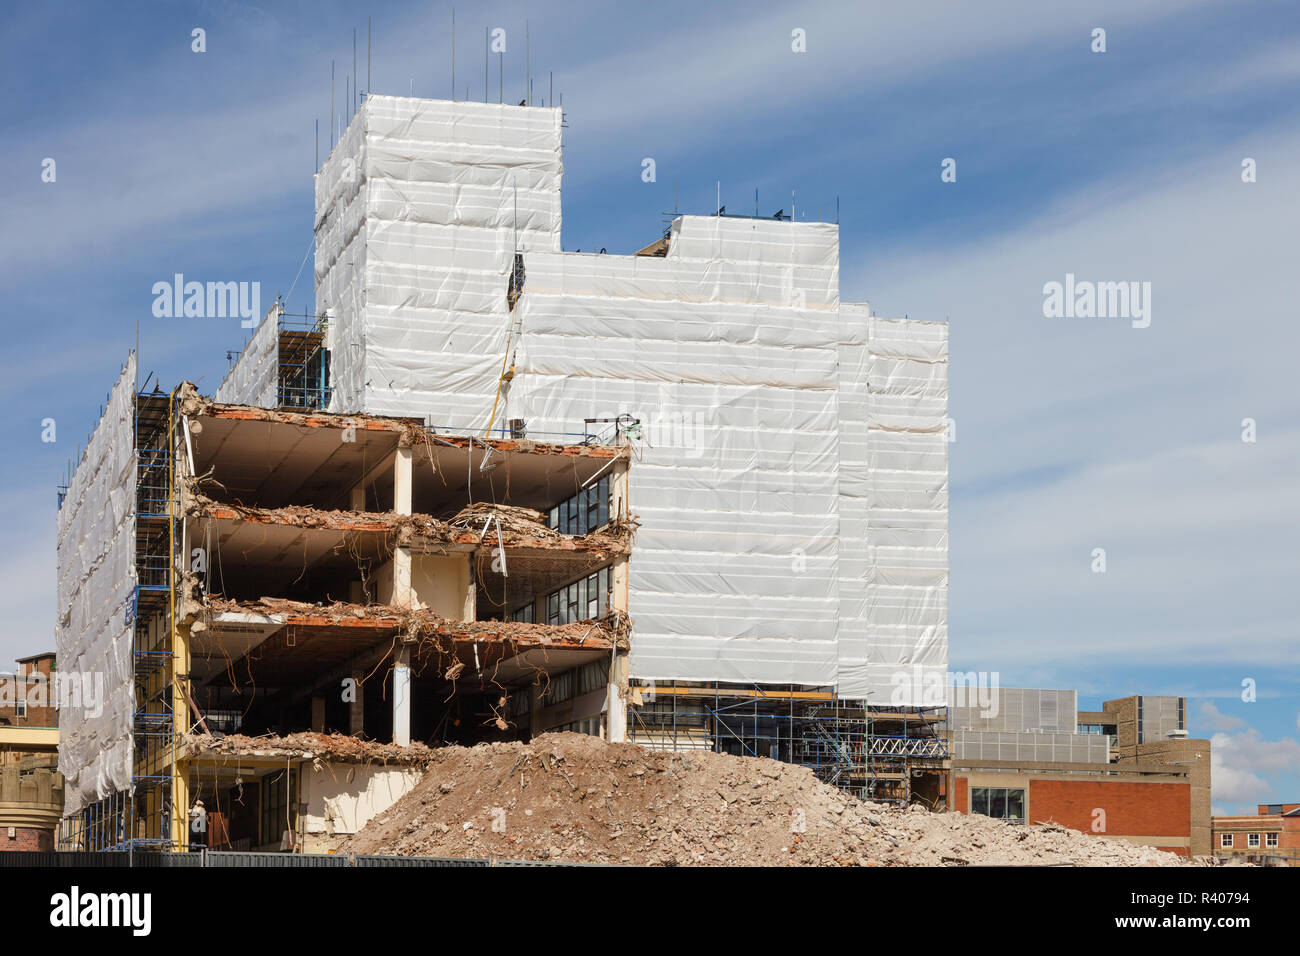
<point x="573" y="798"/>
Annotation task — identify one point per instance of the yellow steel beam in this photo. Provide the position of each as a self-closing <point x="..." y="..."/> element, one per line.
<point x="29" y="738"/>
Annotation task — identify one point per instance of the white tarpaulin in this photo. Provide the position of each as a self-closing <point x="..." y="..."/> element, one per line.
<point x="96" y="592"/>
<point x="893" y="479"/>
<point x="254" y="378"/>
<point x="726" y="352"/>
<point x="792" y="491"/>
<point x="419" y="210"/>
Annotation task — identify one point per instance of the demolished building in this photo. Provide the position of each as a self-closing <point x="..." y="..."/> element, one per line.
<point x="686" y="498"/>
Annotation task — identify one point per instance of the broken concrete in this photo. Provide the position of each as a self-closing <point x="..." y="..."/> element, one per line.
<point x="421" y="624"/>
<point x="310" y="746"/>
<point x="569" y="797"/>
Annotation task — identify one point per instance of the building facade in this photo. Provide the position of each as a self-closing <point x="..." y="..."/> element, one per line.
<point x="31" y="788"/>
<point x="410" y="515"/>
<point x="1269" y="838"/>
<point x="1125" y="772"/>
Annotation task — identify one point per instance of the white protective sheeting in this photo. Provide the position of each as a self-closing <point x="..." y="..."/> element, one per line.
<point x="96" y="591"/>
<point x="419" y="210"/>
<point x="893" y="479"/>
<point x="793" y="489"/>
<point x="726" y="352"/>
<point x="252" y="380"/>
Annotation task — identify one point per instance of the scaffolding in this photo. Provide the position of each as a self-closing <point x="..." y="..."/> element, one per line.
<point x="303" y="375"/>
<point x="141" y="819"/>
<point x="872" y="752"/>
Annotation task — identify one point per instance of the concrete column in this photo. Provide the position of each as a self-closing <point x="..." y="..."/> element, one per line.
<point x="402" y="696"/>
<point x="619" y="592"/>
<point x="318" y="715"/>
<point x="616" y="702"/>
<point x="402" y="596"/>
<point x="470" y="609"/>
<point x="402" y="481"/>
<point x="357" y="707"/>
<point x="358" y="502"/>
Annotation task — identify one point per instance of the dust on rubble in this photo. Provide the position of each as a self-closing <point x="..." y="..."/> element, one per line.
<point x="574" y="798"/>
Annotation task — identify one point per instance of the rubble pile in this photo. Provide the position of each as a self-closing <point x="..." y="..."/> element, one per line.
<point x="573" y="798"/>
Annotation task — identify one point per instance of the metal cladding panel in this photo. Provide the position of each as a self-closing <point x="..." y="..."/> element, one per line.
<point x="95" y="609"/>
<point x="1029" y="747"/>
<point x="1016" y="710"/>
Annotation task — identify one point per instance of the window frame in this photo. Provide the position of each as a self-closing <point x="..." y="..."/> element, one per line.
<point x="999" y="798"/>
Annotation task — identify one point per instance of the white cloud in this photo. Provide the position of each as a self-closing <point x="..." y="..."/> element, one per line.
<point x="1238" y="763"/>
<point x="1087" y="433"/>
<point x="1216" y="720"/>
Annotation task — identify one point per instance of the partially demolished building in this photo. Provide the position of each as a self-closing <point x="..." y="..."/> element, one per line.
<point x="685" y="497"/>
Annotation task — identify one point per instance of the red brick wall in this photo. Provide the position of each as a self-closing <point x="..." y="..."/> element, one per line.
<point x="1132" y="809"/>
<point x="26" y="838"/>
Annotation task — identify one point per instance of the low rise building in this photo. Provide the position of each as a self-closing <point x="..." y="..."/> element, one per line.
<point x="1127" y="771"/>
<point x="1269" y="838"/>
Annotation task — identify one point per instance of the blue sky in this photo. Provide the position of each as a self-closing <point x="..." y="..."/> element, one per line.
<point x="1072" y="434"/>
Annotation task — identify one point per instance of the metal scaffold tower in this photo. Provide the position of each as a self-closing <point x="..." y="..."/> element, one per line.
<point x="141" y="818"/>
<point x="304" y="363"/>
<point x="870" y="752"/>
<point x="158" y="540"/>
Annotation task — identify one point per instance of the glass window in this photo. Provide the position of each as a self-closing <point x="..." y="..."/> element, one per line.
<point x="1225" y="839"/>
<point x="1270" y="839"/>
<point x="1001" y="803"/>
<point x="584" y="599"/>
<point x="279" y="805"/>
<point x="584" y="512"/>
<point x="1016" y="806"/>
<point x="1252" y="839"/>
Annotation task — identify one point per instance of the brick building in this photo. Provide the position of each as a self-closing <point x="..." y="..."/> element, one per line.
<point x="1270" y="838"/>
<point x="28" y="718"/>
<point x="31" y="789"/>
<point x="1127" y="771"/>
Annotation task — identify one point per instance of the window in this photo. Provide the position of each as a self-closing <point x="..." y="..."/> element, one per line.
<point x="527" y="613"/>
<point x="582" y="600"/>
<point x="279" y="803"/>
<point x="1252" y="839"/>
<point x="1001" y="803"/>
<point x="1274" y="809"/>
<point x="1225" y="839"/>
<point x="584" y="512"/>
<point x="1270" y="839"/>
<point x="21" y="706"/>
